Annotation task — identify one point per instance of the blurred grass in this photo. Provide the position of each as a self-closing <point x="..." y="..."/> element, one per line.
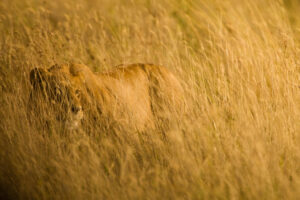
<point x="239" y="62"/>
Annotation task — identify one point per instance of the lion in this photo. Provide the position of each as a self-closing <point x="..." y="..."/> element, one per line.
<point x="138" y="96"/>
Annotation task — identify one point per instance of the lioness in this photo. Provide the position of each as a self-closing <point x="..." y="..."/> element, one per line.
<point x="139" y="96"/>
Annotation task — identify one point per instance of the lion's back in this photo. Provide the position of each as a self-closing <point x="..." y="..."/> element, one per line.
<point x="163" y="88"/>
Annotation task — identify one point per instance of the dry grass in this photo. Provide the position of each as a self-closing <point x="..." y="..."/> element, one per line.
<point x="239" y="61"/>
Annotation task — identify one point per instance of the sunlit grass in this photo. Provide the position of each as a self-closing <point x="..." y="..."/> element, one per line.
<point x="239" y="66"/>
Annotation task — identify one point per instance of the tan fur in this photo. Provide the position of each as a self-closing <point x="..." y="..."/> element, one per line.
<point x="137" y="96"/>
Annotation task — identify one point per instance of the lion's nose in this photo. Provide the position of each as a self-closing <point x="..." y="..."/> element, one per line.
<point x="75" y="109"/>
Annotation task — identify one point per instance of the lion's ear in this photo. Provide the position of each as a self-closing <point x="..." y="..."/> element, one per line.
<point x="75" y="69"/>
<point x="37" y="76"/>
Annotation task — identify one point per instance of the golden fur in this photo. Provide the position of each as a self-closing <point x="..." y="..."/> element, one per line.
<point x="138" y="96"/>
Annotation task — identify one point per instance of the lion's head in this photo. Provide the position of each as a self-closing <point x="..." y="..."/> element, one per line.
<point x="55" y="88"/>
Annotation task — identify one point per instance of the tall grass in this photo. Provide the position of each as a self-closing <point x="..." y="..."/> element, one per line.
<point x="238" y="62"/>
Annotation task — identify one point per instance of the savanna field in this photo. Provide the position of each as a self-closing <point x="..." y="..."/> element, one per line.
<point x="238" y="62"/>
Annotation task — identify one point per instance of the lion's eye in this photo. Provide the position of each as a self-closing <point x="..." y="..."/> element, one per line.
<point x="77" y="93"/>
<point x="57" y="91"/>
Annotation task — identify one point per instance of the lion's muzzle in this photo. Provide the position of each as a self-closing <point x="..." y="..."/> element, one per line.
<point x="75" y="117"/>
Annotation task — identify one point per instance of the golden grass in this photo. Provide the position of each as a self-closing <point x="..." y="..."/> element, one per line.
<point x="239" y="62"/>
